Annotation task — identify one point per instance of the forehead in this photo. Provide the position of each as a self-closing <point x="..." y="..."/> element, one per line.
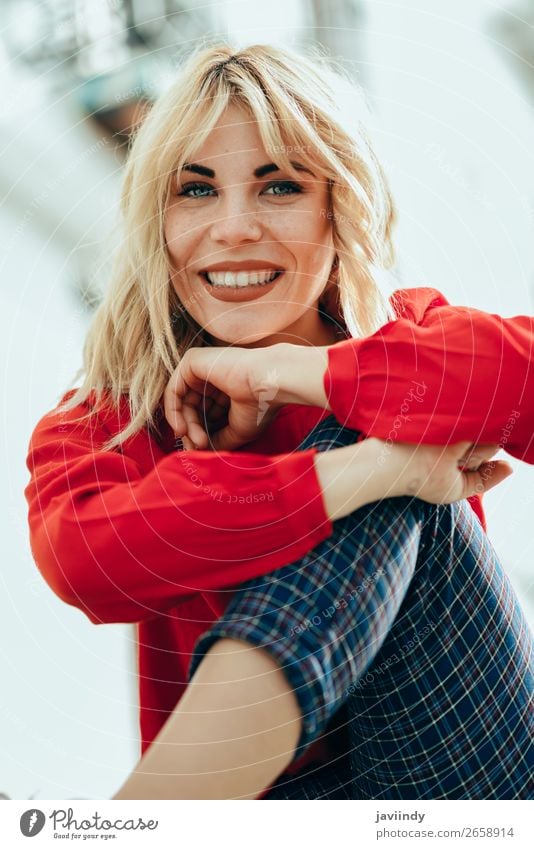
<point x="235" y="145"/>
<point x="236" y="131"/>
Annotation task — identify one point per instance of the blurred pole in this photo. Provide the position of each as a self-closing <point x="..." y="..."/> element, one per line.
<point x="513" y="29"/>
<point x="339" y="26"/>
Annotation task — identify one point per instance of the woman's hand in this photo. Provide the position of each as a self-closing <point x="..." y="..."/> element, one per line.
<point x="442" y="474"/>
<point x="370" y="470"/>
<point x="222" y="398"/>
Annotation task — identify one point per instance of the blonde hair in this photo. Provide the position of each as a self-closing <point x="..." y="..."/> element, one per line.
<point x="301" y="103"/>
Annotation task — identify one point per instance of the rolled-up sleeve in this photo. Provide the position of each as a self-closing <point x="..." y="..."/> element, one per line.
<point x="438" y="374"/>
<point x="324" y="617"/>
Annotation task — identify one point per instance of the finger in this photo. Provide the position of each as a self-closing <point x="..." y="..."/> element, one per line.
<point x="217" y="413"/>
<point x="205" y="402"/>
<point x="195" y="432"/>
<point x="191" y="396"/>
<point x="189" y="445"/>
<point x="213" y="411"/>
<point x="221" y="398"/>
<point x="489" y="475"/>
<point x="172" y="403"/>
<point x="502" y="470"/>
<point x="187" y="376"/>
<point x="193" y="368"/>
<point x="208" y="406"/>
<point x="195" y="401"/>
<point x="476" y="455"/>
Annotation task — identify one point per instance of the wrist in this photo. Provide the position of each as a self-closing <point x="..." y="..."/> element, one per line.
<point x="350" y="477"/>
<point x="398" y="471"/>
<point x="297" y="375"/>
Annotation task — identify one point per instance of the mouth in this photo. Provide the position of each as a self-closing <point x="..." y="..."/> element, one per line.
<point x="241" y="279"/>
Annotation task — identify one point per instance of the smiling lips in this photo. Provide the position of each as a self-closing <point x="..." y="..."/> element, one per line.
<point x="240" y="279"/>
<point x="239" y="275"/>
<point x="245" y="280"/>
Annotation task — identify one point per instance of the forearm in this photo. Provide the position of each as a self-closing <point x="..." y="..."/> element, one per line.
<point x="349" y="476"/>
<point x="231" y="735"/>
<point x="355" y="475"/>
<point x="297" y="374"/>
<point x="458" y="375"/>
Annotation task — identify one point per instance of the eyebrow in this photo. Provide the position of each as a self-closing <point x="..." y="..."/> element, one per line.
<point x="262" y="171"/>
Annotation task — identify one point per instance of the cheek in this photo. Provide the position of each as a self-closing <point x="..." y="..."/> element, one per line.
<point x="323" y="226"/>
<point x="316" y="227"/>
<point x="177" y="236"/>
<point x="170" y="240"/>
<point x="317" y="247"/>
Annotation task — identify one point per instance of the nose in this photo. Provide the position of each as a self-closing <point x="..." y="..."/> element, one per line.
<point x="236" y="222"/>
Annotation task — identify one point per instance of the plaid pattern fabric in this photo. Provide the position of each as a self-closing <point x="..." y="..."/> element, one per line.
<point x="331" y="781"/>
<point x="402" y="633"/>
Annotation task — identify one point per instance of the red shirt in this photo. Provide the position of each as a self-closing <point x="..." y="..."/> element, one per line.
<point x="150" y="535"/>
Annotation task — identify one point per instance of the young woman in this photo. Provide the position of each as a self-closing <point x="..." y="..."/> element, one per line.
<point x="284" y="553"/>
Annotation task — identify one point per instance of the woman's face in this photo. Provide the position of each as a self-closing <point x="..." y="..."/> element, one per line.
<point x="234" y="221"/>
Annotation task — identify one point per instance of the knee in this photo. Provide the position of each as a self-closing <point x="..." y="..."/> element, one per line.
<point x="329" y="434"/>
<point x="388" y="512"/>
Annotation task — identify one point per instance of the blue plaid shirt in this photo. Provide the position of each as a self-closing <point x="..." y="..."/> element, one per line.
<point x="404" y="643"/>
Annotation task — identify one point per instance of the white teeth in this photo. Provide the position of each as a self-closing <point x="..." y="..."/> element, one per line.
<point x="240" y="278"/>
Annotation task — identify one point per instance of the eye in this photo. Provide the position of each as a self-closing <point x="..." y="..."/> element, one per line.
<point x="195" y="190"/>
<point x="288" y="187"/>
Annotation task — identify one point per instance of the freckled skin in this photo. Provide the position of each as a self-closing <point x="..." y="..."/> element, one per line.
<point x="237" y="216"/>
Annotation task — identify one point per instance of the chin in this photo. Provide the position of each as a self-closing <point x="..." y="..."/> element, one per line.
<point x="252" y="339"/>
<point x="239" y="339"/>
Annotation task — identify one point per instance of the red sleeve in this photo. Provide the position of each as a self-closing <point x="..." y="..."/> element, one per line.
<point x="438" y="374"/>
<point x="122" y="540"/>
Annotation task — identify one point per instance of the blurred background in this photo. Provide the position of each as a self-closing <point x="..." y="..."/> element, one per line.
<point x="451" y="86"/>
